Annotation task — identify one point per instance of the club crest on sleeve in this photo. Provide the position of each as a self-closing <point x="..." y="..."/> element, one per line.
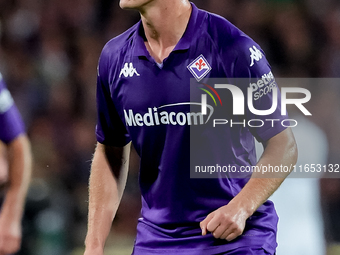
<point x="199" y="68"/>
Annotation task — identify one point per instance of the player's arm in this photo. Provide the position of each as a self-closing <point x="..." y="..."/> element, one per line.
<point x="228" y="222"/>
<point x="19" y="163"/>
<point x="107" y="182"/>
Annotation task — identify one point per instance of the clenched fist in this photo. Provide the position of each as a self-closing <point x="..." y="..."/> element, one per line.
<point x="227" y="222"/>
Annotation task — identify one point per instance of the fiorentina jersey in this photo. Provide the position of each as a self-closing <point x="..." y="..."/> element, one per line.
<point x="155" y="106"/>
<point x="11" y="124"/>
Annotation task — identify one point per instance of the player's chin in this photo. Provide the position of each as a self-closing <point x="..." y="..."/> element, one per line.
<point x="134" y="4"/>
<point x="127" y="4"/>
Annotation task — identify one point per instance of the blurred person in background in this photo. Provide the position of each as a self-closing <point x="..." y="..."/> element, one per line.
<point x="15" y="172"/>
<point x="143" y="68"/>
<point x="300" y="226"/>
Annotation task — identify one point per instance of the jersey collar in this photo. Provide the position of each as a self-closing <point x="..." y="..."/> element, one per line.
<point x="183" y="44"/>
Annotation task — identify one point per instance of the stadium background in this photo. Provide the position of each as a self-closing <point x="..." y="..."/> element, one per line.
<point x="48" y="56"/>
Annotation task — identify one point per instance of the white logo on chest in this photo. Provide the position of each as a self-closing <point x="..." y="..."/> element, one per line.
<point x="128" y="71"/>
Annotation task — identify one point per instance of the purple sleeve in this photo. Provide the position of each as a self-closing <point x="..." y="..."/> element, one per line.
<point x="110" y="129"/>
<point x="252" y="66"/>
<point x="11" y="124"/>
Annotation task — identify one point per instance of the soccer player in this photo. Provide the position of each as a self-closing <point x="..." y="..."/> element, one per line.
<point x="17" y="161"/>
<point x="144" y="96"/>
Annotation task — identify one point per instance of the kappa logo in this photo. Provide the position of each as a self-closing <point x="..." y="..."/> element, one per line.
<point x="255" y="55"/>
<point x="128" y="71"/>
<point x="199" y="68"/>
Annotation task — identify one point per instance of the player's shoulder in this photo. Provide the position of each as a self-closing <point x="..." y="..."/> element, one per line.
<point x="119" y="44"/>
<point x="115" y="50"/>
<point x="222" y="30"/>
<point x="228" y="37"/>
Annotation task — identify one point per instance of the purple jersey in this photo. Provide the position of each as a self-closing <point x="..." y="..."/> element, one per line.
<point x="144" y="102"/>
<point x="11" y="124"/>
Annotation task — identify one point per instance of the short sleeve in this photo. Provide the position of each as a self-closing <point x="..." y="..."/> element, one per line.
<point x="255" y="72"/>
<point x="110" y="130"/>
<point x="11" y="123"/>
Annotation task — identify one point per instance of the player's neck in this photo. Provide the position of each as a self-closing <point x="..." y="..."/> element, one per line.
<point x="164" y="25"/>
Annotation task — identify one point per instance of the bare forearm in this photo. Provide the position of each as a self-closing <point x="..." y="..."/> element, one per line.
<point x="20" y="168"/>
<point x="228" y="222"/>
<point x="105" y="191"/>
<point x="280" y="150"/>
<point x="103" y="203"/>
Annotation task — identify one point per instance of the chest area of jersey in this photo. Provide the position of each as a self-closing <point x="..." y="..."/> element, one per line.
<point x="143" y="86"/>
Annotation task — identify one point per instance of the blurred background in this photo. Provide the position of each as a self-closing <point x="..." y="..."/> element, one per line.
<point x="49" y="51"/>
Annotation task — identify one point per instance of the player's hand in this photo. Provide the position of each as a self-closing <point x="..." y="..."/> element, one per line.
<point x="10" y="235"/>
<point x="227" y="222"/>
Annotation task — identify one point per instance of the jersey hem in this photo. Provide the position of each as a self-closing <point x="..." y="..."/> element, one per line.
<point x="201" y="251"/>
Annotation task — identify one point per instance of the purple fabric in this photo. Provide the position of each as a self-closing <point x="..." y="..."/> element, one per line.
<point x="145" y="103"/>
<point x="11" y="124"/>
